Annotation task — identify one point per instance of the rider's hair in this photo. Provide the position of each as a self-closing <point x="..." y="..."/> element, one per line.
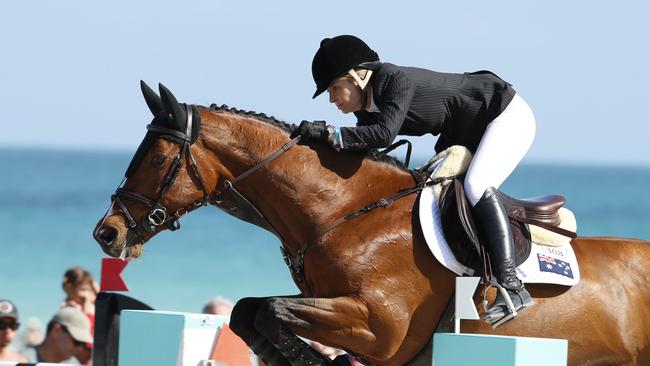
<point x="361" y="72"/>
<point x="359" y="76"/>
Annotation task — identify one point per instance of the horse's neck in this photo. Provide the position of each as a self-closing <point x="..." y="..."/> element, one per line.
<point x="307" y="187"/>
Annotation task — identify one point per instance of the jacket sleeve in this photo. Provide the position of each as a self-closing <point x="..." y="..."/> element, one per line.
<point x="396" y="99"/>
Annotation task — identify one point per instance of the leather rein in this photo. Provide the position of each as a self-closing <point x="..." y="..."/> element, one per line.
<point x="158" y="214"/>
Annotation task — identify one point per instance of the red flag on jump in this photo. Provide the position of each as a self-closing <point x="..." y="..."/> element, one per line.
<point x="111" y="278"/>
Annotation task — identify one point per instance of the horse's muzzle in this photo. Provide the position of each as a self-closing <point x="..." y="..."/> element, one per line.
<point x="105" y="235"/>
<point x="108" y="238"/>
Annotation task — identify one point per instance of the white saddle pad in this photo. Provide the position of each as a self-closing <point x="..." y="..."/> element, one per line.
<point x="546" y="264"/>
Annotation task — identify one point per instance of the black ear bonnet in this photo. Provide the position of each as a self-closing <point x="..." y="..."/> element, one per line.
<point x="168" y="114"/>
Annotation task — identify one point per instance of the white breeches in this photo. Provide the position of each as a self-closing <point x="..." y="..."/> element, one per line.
<point x="505" y="142"/>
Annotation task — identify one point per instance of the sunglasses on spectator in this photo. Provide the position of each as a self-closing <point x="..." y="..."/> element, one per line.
<point x="9" y="325"/>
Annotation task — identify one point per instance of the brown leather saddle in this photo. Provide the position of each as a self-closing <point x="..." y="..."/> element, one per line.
<point x="464" y="239"/>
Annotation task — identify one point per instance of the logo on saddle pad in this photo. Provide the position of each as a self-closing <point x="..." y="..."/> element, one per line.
<point x="550" y="264"/>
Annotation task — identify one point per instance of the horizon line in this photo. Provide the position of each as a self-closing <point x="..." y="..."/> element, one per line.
<point x="415" y="155"/>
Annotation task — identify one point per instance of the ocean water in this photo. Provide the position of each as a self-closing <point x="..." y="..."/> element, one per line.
<point x="50" y="201"/>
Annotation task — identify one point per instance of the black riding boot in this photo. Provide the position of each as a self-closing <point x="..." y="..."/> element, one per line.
<point x="494" y="225"/>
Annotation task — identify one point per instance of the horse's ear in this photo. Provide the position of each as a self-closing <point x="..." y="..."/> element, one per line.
<point x="153" y="100"/>
<point x="171" y="106"/>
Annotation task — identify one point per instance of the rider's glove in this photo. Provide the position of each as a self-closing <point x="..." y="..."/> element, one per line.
<point x="316" y="130"/>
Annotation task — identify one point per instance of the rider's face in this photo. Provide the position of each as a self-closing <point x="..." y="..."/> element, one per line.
<point x="346" y="94"/>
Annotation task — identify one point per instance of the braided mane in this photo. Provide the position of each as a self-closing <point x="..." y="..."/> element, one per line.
<point x="371" y="154"/>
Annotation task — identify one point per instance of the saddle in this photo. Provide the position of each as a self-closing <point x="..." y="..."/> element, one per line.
<point x="462" y="235"/>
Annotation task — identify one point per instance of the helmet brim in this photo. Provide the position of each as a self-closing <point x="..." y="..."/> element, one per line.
<point x="318" y="92"/>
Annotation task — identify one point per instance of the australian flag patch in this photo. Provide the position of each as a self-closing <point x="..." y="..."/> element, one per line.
<point x="549" y="264"/>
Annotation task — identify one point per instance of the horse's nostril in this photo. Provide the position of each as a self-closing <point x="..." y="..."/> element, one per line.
<point x="106" y="235"/>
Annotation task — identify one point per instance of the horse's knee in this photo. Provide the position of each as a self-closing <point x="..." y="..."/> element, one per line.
<point x="385" y="343"/>
<point x="383" y="350"/>
<point x="267" y="320"/>
<point x="242" y="318"/>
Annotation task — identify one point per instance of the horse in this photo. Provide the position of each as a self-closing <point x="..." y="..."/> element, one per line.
<point x="369" y="283"/>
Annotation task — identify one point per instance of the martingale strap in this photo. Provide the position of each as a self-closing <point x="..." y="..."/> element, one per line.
<point x="253" y="215"/>
<point x="250" y="212"/>
<point x="296" y="262"/>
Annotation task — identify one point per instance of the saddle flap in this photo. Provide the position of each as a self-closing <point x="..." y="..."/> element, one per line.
<point x="464" y="214"/>
<point x="461" y="233"/>
<point x="458" y="225"/>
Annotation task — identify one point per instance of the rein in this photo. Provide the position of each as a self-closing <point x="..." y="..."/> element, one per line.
<point x="229" y="187"/>
<point x="158" y="214"/>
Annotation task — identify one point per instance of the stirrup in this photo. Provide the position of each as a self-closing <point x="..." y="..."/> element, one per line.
<point x="509" y="305"/>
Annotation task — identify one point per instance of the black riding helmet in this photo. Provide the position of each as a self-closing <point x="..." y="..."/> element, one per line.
<point x="336" y="56"/>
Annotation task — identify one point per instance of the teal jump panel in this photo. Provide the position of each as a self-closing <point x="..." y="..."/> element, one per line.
<point x="165" y="338"/>
<point x="489" y="350"/>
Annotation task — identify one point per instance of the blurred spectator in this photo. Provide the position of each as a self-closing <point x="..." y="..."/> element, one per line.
<point x="67" y="333"/>
<point x="81" y="292"/>
<point x="218" y="306"/>
<point x="329" y="352"/>
<point x="9" y="323"/>
<point x="339" y="357"/>
<point x="353" y="361"/>
<point x="32" y="334"/>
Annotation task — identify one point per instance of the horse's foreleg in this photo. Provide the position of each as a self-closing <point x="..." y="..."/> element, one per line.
<point x="274" y="320"/>
<point x="258" y="322"/>
<point x="242" y="322"/>
<point x="335" y="322"/>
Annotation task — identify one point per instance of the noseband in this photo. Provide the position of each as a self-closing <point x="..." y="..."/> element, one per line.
<point x="158" y="214"/>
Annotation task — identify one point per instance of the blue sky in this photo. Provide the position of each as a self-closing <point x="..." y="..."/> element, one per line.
<point x="70" y="69"/>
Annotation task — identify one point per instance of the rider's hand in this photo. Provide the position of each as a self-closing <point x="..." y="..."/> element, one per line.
<point x="312" y="130"/>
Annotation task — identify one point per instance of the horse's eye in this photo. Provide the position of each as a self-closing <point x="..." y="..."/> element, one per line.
<point x="159" y="159"/>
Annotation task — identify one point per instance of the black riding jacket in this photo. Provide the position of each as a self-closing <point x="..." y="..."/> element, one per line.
<point x="414" y="101"/>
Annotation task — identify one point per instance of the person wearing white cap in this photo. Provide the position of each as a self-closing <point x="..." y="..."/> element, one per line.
<point x="68" y="330"/>
<point x="8" y="326"/>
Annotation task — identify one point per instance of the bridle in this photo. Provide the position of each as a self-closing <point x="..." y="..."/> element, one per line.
<point x="158" y="214"/>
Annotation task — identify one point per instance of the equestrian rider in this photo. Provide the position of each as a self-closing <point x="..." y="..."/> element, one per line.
<point x="477" y="110"/>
